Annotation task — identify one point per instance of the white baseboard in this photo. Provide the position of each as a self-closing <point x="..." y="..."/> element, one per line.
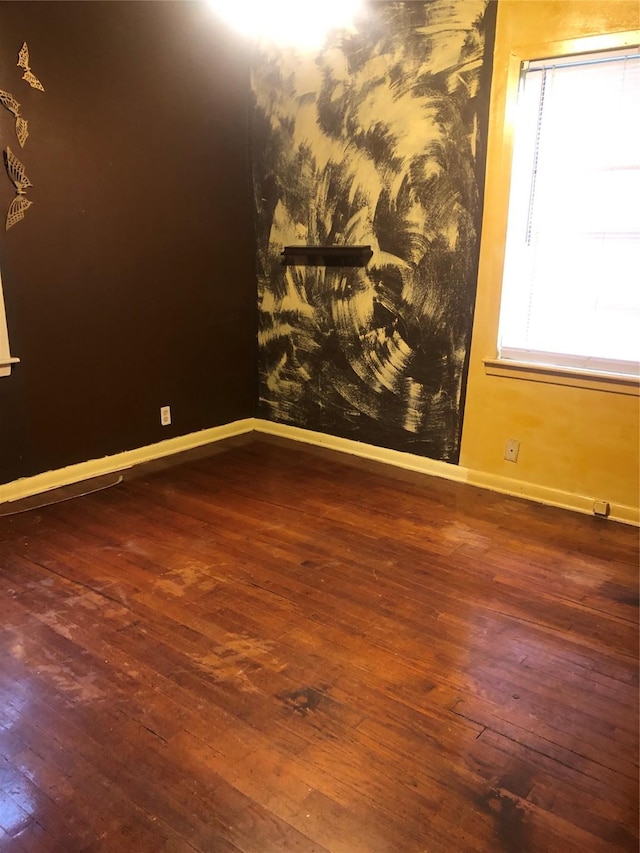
<point x="411" y="462"/>
<point x="40" y="483"/>
<point x="49" y="480"/>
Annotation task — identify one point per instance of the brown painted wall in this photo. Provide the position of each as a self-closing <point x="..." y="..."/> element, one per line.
<point x="131" y="283"/>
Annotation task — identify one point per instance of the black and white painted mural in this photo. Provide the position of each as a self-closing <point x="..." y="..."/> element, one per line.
<point x="376" y="140"/>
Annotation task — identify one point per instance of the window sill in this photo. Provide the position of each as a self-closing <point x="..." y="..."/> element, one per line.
<point x="5" y="365"/>
<point x="613" y="383"/>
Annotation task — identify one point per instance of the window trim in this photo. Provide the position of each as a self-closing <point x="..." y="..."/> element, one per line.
<point x="551" y="374"/>
<point x="532" y="371"/>
<point x="6" y="360"/>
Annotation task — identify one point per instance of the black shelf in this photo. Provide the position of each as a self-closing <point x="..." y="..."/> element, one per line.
<point x="327" y="256"/>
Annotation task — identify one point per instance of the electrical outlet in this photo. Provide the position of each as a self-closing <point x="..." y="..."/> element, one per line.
<point x="511" y="450"/>
<point x="601" y="508"/>
<point x="165" y="415"/>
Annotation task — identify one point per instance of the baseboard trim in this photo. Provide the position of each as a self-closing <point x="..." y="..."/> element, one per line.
<point x="433" y="467"/>
<point x="39" y="483"/>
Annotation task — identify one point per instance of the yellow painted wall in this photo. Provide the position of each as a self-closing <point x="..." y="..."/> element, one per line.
<point x="574" y="440"/>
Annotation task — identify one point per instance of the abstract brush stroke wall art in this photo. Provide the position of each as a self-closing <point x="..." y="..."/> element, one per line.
<point x="377" y="140"/>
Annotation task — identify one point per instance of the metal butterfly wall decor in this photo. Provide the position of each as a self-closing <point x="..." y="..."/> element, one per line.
<point x="19" y="179"/>
<point x="29" y="76"/>
<point x="15" y="169"/>
<point x="22" y="127"/>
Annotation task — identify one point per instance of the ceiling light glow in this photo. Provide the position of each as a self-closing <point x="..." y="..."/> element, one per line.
<point x="304" y="25"/>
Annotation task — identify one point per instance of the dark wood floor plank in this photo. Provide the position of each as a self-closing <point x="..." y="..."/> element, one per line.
<point x="277" y="648"/>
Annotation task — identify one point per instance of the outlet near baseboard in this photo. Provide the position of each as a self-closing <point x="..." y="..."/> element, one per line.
<point x="601" y="508"/>
<point x="511" y="450"/>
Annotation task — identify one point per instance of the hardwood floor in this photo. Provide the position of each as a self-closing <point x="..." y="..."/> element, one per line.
<point x="277" y="649"/>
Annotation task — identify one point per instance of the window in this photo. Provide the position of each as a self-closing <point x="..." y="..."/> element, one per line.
<point x="571" y="281"/>
<point x="5" y="359"/>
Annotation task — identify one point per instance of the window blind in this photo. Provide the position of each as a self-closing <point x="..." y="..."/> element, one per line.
<point x="571" y="283"/>
<point x="5" y="356"/>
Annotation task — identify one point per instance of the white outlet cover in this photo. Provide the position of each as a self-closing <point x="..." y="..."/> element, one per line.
<point x="511" y="450"/>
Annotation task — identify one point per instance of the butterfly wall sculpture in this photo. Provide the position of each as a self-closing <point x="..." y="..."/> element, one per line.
<point x="29" y="76"/>
<point x="19" y="179"/>
<point x="15" y="169"/>
<point x="22" y="127"/>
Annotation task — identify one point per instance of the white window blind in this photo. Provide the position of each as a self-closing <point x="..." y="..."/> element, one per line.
<point x="571" y="284"/>
<point x="5" y="357"/>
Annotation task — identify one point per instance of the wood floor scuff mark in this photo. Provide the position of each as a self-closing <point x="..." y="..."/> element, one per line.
<point x="234" y="660"/>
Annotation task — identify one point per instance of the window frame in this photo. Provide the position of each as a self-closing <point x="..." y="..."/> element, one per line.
<point x="6" y="359"/>
<point x="494" y="365"/>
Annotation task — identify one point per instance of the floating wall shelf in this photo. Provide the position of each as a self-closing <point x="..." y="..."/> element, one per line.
<point x="327" y="256"/>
